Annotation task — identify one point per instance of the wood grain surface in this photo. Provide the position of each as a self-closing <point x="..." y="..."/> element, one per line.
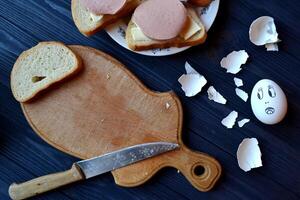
<point x="23" y="155"/>
<point x="105" y="108"/>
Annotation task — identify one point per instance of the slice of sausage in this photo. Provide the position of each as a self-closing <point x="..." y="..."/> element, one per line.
<point x="202" y="3"/>
<point x="160" y="19"/>
<point x="102" y="7"/>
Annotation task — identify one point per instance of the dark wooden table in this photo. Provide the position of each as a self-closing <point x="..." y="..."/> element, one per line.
<point x="23" y="155"/>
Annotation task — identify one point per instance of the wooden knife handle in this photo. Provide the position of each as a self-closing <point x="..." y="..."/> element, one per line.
<point x="200" y="169"/>
<point x="45" y="183"/>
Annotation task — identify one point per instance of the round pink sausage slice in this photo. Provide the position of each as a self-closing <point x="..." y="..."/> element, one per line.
<point x="160" y="19"/>
<point x="102" y="7"/>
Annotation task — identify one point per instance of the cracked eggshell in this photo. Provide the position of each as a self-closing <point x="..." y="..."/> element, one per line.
<point x="189" y="69"/>
<point x="263" y="31"/>
<point x="230" y="120"/>
<point x="192" y="82"/>
<point x="249" y="154"/>
<point x="233" y="61"/>
<point x="215" y="96"/>
<point x="242" y="122"/>
<point x="268" y="102"/>
<point x="272" y="47"/>
<point x="238" y="82"/>
<point x="242" y="94"/>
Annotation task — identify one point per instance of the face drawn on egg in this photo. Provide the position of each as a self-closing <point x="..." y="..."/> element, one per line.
<point x="267" y="98"/>
<point x="268" y="102"/>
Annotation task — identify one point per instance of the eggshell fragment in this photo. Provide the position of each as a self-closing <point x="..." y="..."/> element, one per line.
<point x="272" y="47"/>
<point x="189" y="69"/>
<point x="192" y="82"/>
<point x="242" y="94"/>
<point x="263" y="32"/>
<point x="238" y="82"/>
<point x="230" y="120"/>
<point x="249" y="154"/>
<point x="242" y="122"/>
<point x="233" y="61"/>
<point x="215" y="96"/>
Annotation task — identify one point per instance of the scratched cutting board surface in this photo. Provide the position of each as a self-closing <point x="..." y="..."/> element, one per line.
<point x="24" y="155"/>
<point x="104" y="108"/>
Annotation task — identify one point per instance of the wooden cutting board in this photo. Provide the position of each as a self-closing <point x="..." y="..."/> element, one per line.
<point x="104" y="108"/>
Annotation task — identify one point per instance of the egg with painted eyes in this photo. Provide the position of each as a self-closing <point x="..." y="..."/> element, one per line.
<point x="268" y="102"/>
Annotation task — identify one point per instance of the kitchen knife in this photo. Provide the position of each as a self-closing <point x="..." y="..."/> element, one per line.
<point x="89" y="168"/>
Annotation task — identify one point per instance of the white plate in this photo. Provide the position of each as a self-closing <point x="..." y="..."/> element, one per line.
<point x="207" y="16"/>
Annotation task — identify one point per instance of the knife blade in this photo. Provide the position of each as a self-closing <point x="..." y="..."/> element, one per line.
<point x="111" y="161"/>
<point x="89" y="168"/>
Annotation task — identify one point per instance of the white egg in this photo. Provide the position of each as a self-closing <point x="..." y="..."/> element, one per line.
<point x="268" y="102"/>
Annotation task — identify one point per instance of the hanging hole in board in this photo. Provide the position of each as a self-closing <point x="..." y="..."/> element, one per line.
<point x="199" y="170"/>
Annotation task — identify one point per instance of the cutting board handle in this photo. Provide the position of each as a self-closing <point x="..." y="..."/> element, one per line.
<point x="200" y="169"/>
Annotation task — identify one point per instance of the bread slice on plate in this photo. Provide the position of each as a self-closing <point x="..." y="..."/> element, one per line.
<point x="89" y="23"/>
<point x="193" y="33"/>
<point x="41" y="66"/>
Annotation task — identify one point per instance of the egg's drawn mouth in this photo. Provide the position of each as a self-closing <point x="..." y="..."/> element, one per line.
<point x="270" y="110"/>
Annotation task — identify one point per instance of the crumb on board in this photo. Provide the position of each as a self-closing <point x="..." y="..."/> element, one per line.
<point x="168" y="105"/>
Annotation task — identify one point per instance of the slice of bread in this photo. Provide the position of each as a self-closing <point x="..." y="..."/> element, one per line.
<point x="41" y="66"/>
<point x="146" y="44"/>
<point x="88" y="23"/>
